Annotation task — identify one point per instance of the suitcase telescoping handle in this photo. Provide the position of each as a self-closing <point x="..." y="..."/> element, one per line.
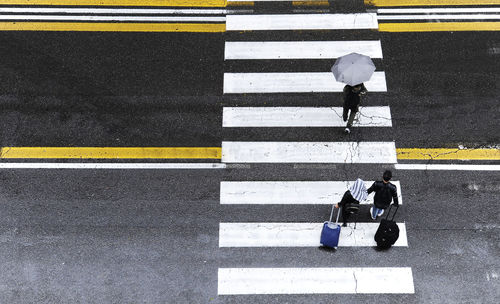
<point x="331" y="214"/>
<point x="388" y="212"/>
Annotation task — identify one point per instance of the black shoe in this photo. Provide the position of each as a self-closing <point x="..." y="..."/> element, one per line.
<point x="344" y="225"/>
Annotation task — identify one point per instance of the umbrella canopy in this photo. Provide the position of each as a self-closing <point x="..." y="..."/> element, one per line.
<point x="358" y="190"/>
<point x="353" y="69"/>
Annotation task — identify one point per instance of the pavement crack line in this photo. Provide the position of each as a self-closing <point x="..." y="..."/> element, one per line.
<point x="355" y="282"/>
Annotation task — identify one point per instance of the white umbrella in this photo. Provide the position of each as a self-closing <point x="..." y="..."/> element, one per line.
<point x="353" y="69"/>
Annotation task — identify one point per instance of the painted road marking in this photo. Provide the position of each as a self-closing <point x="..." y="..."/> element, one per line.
<point x="187" y="3"/>
<point x="439" y="17"/>
<point x="302" y="22"/>
<point x="303" y="117"/>
<point x="111" y="152"/>
<point x="453" y="167"/>
<point x="299" y="235"/>
<point x="113" y="18"/>
<point x="113" y="27"/>
<point x="289" y="192"/>
<point x="429" y="2"/>
<point x="72" y="10"/>
<point x="308" y="152"/>
<point x="300" y="49"/>
<point x="447" y="154"/>
<point x="122" y="166"/>
<point x="293" y="83"/>
<point x="338" y="280"/>
<point x="438" y="10"/>
<point x="439" y="27"/>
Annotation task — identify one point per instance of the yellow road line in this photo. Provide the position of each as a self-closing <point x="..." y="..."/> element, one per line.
<point x="430" y="2"/>
<point x="439" y="27"/>
<point x="113" y="27"/>
<point x="240" y="3"/>
<point x="311" y="3"/>
<point x="448" y="154"/>
<point x="198" y="3"/>
<point x="111" y="152"/>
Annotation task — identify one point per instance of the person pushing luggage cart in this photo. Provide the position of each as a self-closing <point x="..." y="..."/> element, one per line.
<point x="349" y="204"/>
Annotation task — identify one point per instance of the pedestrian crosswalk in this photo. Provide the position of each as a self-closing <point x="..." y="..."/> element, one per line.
<point x="259" y="193"/>
<point x="302" y="117"/>
<point x="288" y="192"/>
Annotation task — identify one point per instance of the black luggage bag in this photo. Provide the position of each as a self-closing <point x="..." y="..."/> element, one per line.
<point x="388" y="232"/>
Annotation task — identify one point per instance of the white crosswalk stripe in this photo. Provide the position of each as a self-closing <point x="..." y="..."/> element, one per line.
<point x="298" y="235"/>
<point x="303" y="117"/>
<point x="289" y="192"/>
<point x="344" y="280"/>
<point x="300" y="49"/>
<point x="301" y="22"/>
<point x="293" y="83"/>
<point x="308" y="152"/>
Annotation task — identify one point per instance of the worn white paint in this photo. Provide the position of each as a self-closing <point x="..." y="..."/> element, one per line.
<point x="293" y="82"/>
<point x="457" y="167"/>
<point x="289" y="192"/>
<point x="338" y="280"/>
<point x="308" y="152"/>
<point x="301" y="22"/>
<point x="112" y="166"/>
<point x="300" y="49"/>
<point x="438" y="10"/>
<point x="70" y="10"/>
<point x="303" y="117"/>
<point x="110" y="18"/>
<point x="439" y="17"/>
<point x="299" y="235"/>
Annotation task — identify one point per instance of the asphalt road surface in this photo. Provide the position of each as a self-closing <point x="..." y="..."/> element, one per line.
<point x="153" y="236"/>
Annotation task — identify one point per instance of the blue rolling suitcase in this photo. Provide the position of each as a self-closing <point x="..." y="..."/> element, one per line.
<point x="331" y="232"/>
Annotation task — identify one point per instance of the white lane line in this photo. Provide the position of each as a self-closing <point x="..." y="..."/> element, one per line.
<point x="300" y="49"/>
<point x="301" y="22"/>
<point x="45" y="10"/>
<point x="299" y="235"/>
<point x="308" y="152"/>
<point x="109" y="18"/>
<point x="437" y="10"/>
<point x="112" y="166"/>
<point x="338" y="280"/>
<point x="457" y="167"/>
<point x="439" y="17"/>
<point x="293" y="192"/>
<point x="293" y="83"/>
<point x="303" y="117"/>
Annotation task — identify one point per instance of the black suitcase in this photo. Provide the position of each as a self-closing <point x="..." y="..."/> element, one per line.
<point x="388" y="232"/>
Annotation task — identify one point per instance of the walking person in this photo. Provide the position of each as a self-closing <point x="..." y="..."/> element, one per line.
<point x="352" y="98"/>
<point x="385" y="192"/>
<point x="350" y="201"/>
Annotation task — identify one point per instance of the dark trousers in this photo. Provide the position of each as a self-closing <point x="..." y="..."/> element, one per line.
<point x="351" y="115"/>
<point x="345" y="216"/>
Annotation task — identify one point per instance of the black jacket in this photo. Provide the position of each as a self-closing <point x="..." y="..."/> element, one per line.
<point x="352" y="99"/>
<point x="384" y="194"/>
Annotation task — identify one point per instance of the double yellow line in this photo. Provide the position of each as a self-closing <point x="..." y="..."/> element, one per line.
<point x="435" y="26"/>
<point x="116" y="27"/>
<point x="214" y="153"/>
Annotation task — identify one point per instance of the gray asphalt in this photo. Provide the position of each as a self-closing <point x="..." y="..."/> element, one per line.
<point x="140" y="236"/>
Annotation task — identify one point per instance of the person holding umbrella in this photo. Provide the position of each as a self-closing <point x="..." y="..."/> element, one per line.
<point x="352" y="98"/>
<point x="353" y="70"/>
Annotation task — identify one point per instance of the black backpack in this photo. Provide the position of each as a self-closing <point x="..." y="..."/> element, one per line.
<point x="388" y="232"/>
